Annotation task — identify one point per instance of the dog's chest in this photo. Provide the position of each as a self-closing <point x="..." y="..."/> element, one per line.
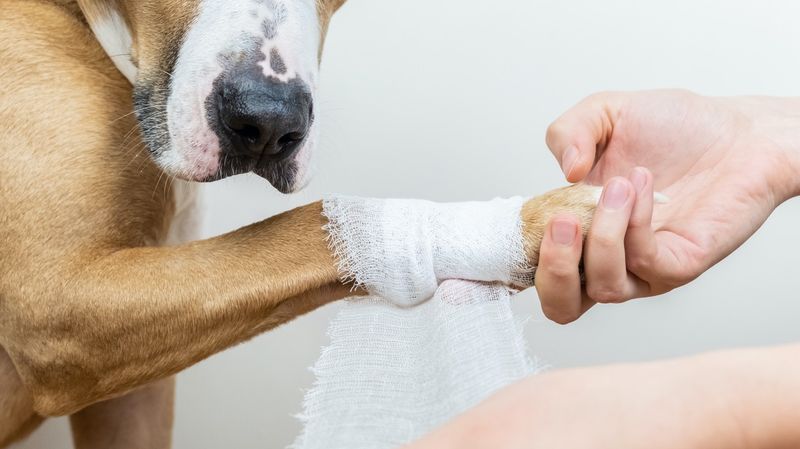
<point x="185" y="225"/>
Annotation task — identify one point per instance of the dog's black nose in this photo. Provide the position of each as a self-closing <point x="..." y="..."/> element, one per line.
<point x="263" y="118"/>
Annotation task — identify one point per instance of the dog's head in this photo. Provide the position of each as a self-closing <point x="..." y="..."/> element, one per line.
<point x="221" y="87"/>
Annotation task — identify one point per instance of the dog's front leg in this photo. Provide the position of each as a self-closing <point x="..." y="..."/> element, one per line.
<point x="141" y="419"/>
<point x="118" y="319"/>
<point x="17" y="418"/>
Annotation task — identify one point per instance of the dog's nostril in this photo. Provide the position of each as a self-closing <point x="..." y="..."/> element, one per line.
<point x="288" y="143"/>
<point x="247" y="132"/>
<point x="290" y="139"/>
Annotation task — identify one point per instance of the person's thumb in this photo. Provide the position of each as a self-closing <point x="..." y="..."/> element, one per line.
<point x="576" y="137"/>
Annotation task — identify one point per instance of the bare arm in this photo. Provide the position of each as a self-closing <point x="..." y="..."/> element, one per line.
<point x="736" y="399"/>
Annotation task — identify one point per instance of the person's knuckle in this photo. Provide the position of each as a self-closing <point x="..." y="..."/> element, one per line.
<point x="554" y="132"/>
<point x="559" y="315"/>
<point x="606" y="292"/>
<point x="681" y="277"/>
<point x="639" y="262"/>
<point x="598" y="97"/>
<point x="603" y="240"/>
<point x="639" y="223"/>
<point x="558" y="271"/>
<point x="564" y="319"/>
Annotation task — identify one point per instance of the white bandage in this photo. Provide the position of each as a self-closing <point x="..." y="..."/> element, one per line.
<point x="401" y="250"/>
<point x="392" y="374"/>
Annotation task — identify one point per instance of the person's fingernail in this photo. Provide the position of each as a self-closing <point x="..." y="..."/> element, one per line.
<point x="615" y="195"/>
<point x="638" y="179"/>
<point x="563" y="232"/>
<point x="569" y="160"/>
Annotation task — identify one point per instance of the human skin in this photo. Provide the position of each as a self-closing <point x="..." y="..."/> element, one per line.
<point x="745" y="399"/>
<point x="724" y="163"/>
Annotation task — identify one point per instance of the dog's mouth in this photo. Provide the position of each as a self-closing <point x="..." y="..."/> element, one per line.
<point x="283" y="174"/>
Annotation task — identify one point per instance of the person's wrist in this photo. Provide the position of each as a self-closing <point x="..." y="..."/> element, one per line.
<point x="776" y="125"/>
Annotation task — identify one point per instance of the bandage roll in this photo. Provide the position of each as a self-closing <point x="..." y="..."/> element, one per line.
<point x="427" y="344"/>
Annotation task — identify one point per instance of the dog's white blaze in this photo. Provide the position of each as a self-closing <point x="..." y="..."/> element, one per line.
<point x="114" y="36"/>
<point x="301" y="58"/>
<point x="300" y="18"/>
<point x="228" y="27"/>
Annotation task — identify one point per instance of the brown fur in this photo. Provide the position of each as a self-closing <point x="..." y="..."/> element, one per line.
<point x="578" y="200"/>
<point x="17" y="418"/>
<point x="142" y="420"/>
<point x="89" y="312"/>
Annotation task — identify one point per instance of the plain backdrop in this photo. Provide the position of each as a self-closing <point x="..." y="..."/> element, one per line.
<point x="449" y="100"/>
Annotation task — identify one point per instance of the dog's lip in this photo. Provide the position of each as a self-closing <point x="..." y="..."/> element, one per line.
<point x="280" y="174"/>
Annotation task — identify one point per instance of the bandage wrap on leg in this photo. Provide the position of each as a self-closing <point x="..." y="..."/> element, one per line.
<point x="401" y="250"/>
<point x="392" y="374"/>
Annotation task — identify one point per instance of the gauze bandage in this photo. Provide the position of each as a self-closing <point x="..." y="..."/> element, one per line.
<point x="394" y="372"/>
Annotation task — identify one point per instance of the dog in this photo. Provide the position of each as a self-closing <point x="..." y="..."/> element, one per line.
<point x="110" y="110"/>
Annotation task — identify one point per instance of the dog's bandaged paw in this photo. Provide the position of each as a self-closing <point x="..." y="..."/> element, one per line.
<point x="392" y="374"/>
<point x="401" y="250"/>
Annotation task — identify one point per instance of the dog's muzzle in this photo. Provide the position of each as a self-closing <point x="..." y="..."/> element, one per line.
<point x="261" y="123"/>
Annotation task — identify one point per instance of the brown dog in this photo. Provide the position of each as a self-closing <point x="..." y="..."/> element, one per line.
<point x="101" y="298"/>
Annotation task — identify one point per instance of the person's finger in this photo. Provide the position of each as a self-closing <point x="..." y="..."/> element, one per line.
<point x="558" y="280"/>
<point x="574" y="137"/>
<point x="640" y="241"/>
<point x="607" y="277"/>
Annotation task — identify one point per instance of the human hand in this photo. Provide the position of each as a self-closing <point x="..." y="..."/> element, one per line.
<point x="724" y="163"/>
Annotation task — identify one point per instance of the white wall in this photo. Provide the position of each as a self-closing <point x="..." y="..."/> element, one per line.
<point x="449" y="100"/>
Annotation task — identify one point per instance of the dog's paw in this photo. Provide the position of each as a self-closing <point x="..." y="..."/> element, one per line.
<point x="579" y="200"/>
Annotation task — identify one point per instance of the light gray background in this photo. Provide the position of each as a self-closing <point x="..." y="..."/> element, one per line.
<point x="449" y="100"/>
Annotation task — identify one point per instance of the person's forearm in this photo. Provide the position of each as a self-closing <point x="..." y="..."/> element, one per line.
<point x="742" y="399"/>
<point x="763" y="387"/>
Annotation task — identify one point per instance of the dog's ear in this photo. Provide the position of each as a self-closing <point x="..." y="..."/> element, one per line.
<point x="112" y="28"/>
<point x="336" y="4"/>
<point x="326" y="9"/>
